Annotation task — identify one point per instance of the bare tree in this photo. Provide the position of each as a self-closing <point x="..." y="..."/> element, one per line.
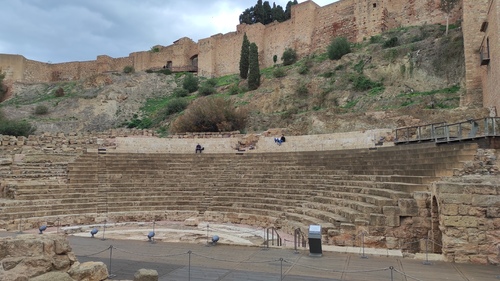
<point x="447" y="6"/>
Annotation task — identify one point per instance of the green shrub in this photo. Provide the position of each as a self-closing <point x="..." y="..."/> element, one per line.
<point x="190" y="83"/>
<point x="139" y="123"/>
<point x="16" y="128"/>
<point x="327" y="74"/>
<point x="211" y="82"/>
<point x="234" y="90"/>
<point x="338" y="48"/>
<point x="210" y="114"/>
<point x="128" y="69"/>
<point x="59" y="92"/>
<point x="279" y="72"/>
<point x="303" y="69"/>
<point x="41" y="110"/>
<point x="289" y="56"/>
<point x="206" y="90"/>
<point x="275" y="58"/>
<point x="180" y="92"/>
<point x="174" y="106"/>
<point x="376" y="39"/>
<point x="390" y="43"/>
<point x="3" y="88"/>
<point x="302" y="90"/>
<point x="363" y="83"/>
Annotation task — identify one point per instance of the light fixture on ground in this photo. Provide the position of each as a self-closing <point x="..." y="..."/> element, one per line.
<point x="42" y="229"/>
<point x="151" y="234"/>
<point x="215" y="239"/>
<point x="93" y="232"/>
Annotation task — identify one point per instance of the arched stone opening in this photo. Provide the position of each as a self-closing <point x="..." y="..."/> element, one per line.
<point x="435" y="236"/>
<point x="169" y="64"/>
<point x="194" y="61"/>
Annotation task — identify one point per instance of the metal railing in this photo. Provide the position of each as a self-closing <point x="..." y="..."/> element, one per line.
<point x="443" y="132"/>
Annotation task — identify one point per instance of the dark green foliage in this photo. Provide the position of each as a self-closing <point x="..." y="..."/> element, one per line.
<point x="244" y="57"/>
<point x="289" y="56"/>
<point x="338" y="48"/>
<point x="210" y="82"/>
<point x="128" y="69"/>
<point x="59" y="92"/>
<point x="275" y="58"/>
<point x="362" y="83"/>
<point x="173" y="106"/>
<point x="15" y="127"/>
<point x="234" y="90"/>
<point x="279" y="72"/>
<point x="303" y="69"/>
<point x="139" y="123"/>
<point x="263" y="12"/>
<point x="206" y="90"/>
<point x="190" y="83"/>
<point x="390" y="43"/>
<point x="210" y="114"/>
<point x="180" y="92"/>
<point x="254" y="70"/>
<point x="302" y="90"/>
<point x="3" y="88"/>
<point x="376" y="39"/>
<point x="41" y="110"/>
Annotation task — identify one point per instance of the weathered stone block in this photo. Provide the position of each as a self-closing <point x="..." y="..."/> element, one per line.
<point x="90" y="271"/>
<point x="53" y="276"/>
<point x="377" y="219"/>
<point x="408" y="207"/>
<point x="486" y="200"/>
<point x="460" y="221"/>
<point x="456" y="199"/>
<point x="391" y="215"/>
<point x="146" y="275"/>
<point x="493" y="212"/>
<point x="449" y="209"/>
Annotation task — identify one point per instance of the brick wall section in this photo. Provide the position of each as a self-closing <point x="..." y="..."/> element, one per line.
<point x="469" y="218"/>
<point x="491" y="72"/>
<point x="474" y="14"/>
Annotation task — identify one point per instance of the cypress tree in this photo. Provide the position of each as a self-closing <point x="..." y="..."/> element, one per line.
<point x="244" y="57"/>
<point x="254" y="71"/>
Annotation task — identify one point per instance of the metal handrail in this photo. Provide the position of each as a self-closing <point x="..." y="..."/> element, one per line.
<point x="279" y="241"/>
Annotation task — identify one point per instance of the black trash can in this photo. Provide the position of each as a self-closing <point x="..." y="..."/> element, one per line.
<point x="315" y="241"/>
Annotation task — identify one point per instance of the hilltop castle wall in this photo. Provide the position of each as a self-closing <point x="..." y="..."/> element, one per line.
<point x="309" y="30"/>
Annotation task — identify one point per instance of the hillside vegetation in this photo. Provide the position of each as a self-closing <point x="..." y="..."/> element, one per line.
<point x="403" y="77"/>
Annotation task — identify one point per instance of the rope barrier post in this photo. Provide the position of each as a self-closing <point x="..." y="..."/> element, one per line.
<point x="189" y="265"/>
<point x="103" y="231"/>
<point x="426" y="262"/>
<point x="110" y="258"/>
<point x="392" y="272"/>
<point x="281" y="268"/>
<point x="295" y="242"/>
<point x="20" y="226"/>
<point x="208" y="243"/>
<point x="363" y="245"/>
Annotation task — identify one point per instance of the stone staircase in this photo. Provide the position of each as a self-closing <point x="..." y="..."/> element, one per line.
<point x="341" y="189"/>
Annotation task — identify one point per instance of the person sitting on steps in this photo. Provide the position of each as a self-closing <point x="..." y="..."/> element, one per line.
<point x="199" y="148"/>
<point x="281" y="140"/>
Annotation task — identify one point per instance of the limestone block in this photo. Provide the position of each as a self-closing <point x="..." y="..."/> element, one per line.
<point x="392" y="214"/>
<point x="13" y="276"/>
<point x="53" y="276"/>
<point x="146" y="275"/>
<point x="449" y="209"/>
<point x="5" y="161"/>
<point x="493" y="212"/>
<point x="460" y="221"/>
<point x="61" y="262"/>
<point x="445" y="187"/>
<point x="486" y="200"/>
<point x="392" y="243"/>
<point x="348" y="227"/>
<point x="456" y="199"/>
<point x="90" y="271"/>
<point x="192" y="222"/>
<point x="421" y="197"/>
<point x="377" y="219"/>
<point x="482" y="189"/>
<point x="408" y="207"/>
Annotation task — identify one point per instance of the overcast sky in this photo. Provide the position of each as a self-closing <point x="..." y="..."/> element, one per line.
<point x="79" y="30"/>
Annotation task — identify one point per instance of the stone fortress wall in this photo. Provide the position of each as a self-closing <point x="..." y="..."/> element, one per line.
<point x="310" y="29"/>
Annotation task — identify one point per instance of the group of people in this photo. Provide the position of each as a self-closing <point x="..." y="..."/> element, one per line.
<point x="281" y="140"/>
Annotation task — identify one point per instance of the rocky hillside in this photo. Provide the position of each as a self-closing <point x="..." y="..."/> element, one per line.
<point x="383" y="83"/>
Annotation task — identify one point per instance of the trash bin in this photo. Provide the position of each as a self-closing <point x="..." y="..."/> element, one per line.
<point x="315" y="241"/>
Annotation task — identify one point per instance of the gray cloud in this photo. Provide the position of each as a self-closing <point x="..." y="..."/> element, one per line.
<point x="79" y="30"/>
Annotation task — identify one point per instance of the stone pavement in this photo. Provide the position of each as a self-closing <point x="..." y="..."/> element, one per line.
<point x="229" y="262"/>
<point x="247" y="263"/>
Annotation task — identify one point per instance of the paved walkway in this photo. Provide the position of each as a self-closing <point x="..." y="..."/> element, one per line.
<point x="228" y="262"/>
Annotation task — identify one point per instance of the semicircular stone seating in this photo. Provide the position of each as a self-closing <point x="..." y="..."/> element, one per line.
<point x="344" y="191"/>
